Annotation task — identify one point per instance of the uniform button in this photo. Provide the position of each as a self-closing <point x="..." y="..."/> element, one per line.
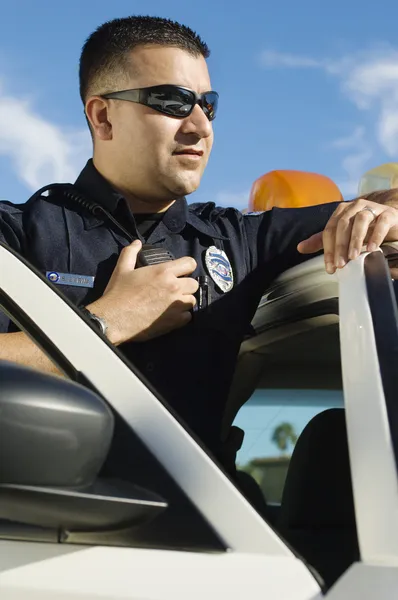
<point x="150" y="367"/>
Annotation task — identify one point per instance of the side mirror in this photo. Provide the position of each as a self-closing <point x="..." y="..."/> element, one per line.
<point x="54" y="438"/>
<point x="52" y="432"/>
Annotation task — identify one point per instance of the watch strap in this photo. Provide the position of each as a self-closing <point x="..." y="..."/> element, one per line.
<point x="99" y="322"/>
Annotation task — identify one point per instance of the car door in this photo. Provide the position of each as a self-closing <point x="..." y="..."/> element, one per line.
<point x="242" y="555"/>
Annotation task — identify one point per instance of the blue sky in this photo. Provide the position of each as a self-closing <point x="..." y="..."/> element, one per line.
<point x="304" y="85"/>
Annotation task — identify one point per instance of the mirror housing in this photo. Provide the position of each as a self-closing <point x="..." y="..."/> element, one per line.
<point x="53" y="432"/>
<point x="54" y="438"/>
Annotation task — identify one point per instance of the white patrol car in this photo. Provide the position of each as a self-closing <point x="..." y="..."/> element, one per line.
<point x="66" y="535"/>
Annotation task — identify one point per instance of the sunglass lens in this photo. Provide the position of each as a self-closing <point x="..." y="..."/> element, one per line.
<point x="209" y="104"/>
<point x="175" y="102"/>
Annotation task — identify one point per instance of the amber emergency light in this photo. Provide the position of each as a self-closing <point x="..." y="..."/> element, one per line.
<point x="384" y="177"/>
<point x="292" y="189"/>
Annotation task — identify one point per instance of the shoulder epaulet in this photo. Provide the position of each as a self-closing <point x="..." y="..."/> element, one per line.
<point x="210" y="211"/>
<point x="254" y="213"/>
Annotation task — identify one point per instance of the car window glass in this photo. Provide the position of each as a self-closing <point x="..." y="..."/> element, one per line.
<point x="272" y="421"/>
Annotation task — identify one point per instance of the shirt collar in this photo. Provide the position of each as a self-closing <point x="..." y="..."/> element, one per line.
<point x="96" y="187"/>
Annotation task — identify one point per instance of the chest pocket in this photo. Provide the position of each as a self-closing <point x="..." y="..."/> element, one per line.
<point x="91" y="260"/>
<point x="220" y="277"/>
<point x="86" y="281"/>
<point x="222" y="313"/>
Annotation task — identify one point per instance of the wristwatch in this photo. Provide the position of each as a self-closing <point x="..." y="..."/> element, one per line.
<point x="98" y="321"/>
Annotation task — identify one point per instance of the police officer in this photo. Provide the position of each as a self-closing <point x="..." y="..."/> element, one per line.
<point x="149" y="104"/>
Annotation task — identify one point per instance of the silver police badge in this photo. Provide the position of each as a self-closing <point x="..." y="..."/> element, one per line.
<point x="219" y="268"/>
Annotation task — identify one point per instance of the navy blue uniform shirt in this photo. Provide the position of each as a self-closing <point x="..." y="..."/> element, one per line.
<point x="191" y="367"/>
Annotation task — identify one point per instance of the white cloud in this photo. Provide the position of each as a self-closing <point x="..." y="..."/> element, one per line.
<point x="372" y="84"/>
<point x="40" y="151"/>
<point x="357" y="157"/>
<point x="350" y="141"/>
<point x="354" y="165"/>
<point x="370" y="81"/>
<point x="273" y="59"/>
<point x="237" y="199"/>
<point x="270" y="58"/>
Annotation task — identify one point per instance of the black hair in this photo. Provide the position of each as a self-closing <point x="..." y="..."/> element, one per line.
<point x="105" y="54"/>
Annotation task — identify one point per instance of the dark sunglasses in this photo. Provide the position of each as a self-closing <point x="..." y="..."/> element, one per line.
<point x="172" y="100"/>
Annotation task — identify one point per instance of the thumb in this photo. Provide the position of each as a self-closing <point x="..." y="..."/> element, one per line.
<point x="128" y="257"/>
<point x="312" y="244"/>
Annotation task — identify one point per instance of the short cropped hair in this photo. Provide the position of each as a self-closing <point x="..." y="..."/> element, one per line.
<point x="105" y="60"/>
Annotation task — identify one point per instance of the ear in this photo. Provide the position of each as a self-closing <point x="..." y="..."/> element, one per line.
<point x="98" y="115"/>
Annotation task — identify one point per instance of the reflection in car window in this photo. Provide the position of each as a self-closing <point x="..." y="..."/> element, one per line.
<point x="272" y="421"/>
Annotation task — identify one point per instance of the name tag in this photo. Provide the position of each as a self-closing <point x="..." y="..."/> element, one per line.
<point x="70" y="279"/>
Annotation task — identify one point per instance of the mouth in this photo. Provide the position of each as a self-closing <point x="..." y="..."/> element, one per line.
<point x="190" y="153"/>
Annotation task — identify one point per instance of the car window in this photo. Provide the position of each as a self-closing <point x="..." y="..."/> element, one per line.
<point x="272" y="420"/>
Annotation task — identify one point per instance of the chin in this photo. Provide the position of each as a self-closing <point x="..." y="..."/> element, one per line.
<point x="183" y="188"/>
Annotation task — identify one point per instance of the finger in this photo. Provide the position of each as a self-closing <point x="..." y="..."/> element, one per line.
<point x="361" y="224"/>
<point x="185" y="318"/>
<point x="188" y="285"/>
<point x="338" y="232"/>
<point x="183" y="308"/>
<point x="311" y="244"/>
<point x="342" y="239"/>
<point x="187" y="302"/>
<point x="181" y="266"/>
<point x="329" y="237"/>
<point x="128" y="257"/>
<point x="385" y="221"/>
<point x="183" y="303"/>
<point x="178" y="321"/>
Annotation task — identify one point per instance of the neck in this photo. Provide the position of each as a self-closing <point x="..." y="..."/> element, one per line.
<point x="139" y="206"/>
<point x="136" y="203"/>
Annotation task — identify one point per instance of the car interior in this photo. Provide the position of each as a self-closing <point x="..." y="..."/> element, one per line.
<point x="316" y="514"/>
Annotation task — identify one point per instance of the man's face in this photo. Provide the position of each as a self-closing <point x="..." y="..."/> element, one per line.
<point x="146" y="146"/>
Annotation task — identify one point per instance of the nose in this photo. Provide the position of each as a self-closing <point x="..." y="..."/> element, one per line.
<point x="197" y="123"/>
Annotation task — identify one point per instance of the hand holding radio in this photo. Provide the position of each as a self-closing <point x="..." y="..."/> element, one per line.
<point x="143" y="303"/>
